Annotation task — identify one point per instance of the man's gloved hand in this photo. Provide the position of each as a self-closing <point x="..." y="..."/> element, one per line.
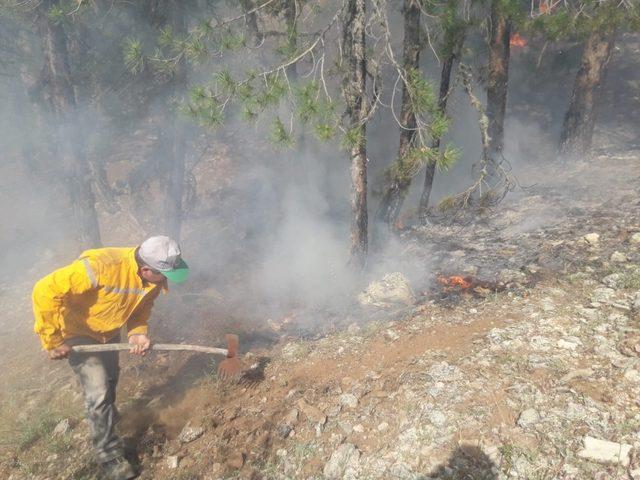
<point x="60" y="352"/>
<point x="140" y="344"/>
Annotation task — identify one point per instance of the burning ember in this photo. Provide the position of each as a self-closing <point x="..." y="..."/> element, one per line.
<point x="455" y="281"/>
<point x="454" y="285"/>
<point x="517" y="41"/>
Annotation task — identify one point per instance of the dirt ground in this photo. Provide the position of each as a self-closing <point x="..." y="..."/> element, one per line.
<point x="500" y="384"/>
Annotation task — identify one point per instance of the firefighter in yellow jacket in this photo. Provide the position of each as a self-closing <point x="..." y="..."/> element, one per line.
<point x="88" y="302"/>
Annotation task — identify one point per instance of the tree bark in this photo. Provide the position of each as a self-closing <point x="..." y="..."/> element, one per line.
<point x="291" y="20"/>
<point x="177" y="134"/>
<point x="445" y="83"/>
<point x="252" y="21"/>
<point x="60" y="97"/>
<point x="579" y="121"/>
<point x="399" y="179"/>
<point x="354" y="91"/>
<point x="498" y="79"/>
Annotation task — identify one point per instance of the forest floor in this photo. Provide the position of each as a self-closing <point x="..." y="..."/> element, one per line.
<point x="511" y="380"/>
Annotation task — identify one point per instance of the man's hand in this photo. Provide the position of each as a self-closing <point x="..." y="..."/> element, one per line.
<point x="60" y="352"/>
<point x="140" y="344"/>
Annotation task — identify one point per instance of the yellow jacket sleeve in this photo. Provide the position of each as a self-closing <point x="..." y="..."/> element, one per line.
<point x="138" y="321"/>
<point x="48" y="299"/>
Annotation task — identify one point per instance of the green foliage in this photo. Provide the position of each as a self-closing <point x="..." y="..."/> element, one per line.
<point x="56" y="14"/>
<point x="556" y="26"/>
<point x="275" y="88"/>
<point x="204" y="108"/>
<point x="163" y="67"/>
<point x="453" y="27"/>
<point x="324" y="131"/>
<point x="307" y="101"/>
<point x="352" y="138"/>
<point x="439" y="124"/>
<point x="448" y="157"/>
<point x="232" y="41"/>
<point x="578" y="18"/>
<point x="279" y="134"/>
<point x="226" y="82"/>
<point x="196" y="50"/>
<point x="165" y="38"/>
<point x="421" y="92"/>
<point x="133" y="56"/>
<point x="204" y="29"/>
<point x="34" y="428"/>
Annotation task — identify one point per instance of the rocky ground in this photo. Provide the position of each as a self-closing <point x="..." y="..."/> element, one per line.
<point x="533" y="372"/>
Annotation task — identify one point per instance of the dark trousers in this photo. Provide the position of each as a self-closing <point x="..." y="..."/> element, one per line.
<point x="98" y="374"/>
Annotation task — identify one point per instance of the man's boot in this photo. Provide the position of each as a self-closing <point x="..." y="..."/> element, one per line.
<point x="118" y="469"/>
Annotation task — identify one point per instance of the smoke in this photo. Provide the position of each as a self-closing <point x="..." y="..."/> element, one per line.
<point x="266" y="226"/>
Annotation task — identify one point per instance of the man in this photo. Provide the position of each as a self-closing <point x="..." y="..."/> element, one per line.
<point x="87" y="302"/>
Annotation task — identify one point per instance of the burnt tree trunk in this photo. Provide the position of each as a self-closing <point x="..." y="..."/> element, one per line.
<point x="445" y="86"/>
<point x="354" y="91"/>
<point x="577" y="129"/>
<point x="498" y="80"/>
<point x="251" y="20"/>
<point x="399" y="176"/>
<point x="177" y="134"/>
<point x="60" y="98"/>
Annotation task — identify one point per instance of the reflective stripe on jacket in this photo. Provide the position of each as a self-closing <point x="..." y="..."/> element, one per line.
<point x="94" y="296"/>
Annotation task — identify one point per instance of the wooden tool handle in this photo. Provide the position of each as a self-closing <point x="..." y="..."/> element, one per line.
<point x="114" y="347"/>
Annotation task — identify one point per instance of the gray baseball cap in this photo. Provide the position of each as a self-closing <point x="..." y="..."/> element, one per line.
<point x="163" y="254"/>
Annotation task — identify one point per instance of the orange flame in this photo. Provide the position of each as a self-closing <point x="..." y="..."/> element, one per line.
<point x="517" y="41"/>
<point x="455" y="281"/>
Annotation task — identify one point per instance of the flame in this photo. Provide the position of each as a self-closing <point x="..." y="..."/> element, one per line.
<point x="455" y="281"/>
<point x="517" y="41"/>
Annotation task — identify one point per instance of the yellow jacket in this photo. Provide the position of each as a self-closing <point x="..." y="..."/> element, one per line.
<point x="94" y="296"/>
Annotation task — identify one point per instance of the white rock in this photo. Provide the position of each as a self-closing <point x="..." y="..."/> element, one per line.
<point x="592" y="238"/>
<point x="632" y="376"/>
<point x="437" y="418"/>
<point x="580" y="373"/>
<point x="618" y="257"/>
<point x="172" y="461"/>
<point x="358" y="428"/>
<point x="611" y="280"/>
<point x="62" y="428"/>
<point x="603" y="451"/>
<point x="393" y="289"/>
<point x="189" y="433"/>
<point x="602" y="295"/>
<point x="383" y="426"/>
<point x="568" y="343"/>
<point x="343" y="463"/>
<point x="589" y="313"/>
<point x="348" y="400"/>
<point x="528" y="418"/>
<point x="635" y="238"/>
<point x="391" y="335"/>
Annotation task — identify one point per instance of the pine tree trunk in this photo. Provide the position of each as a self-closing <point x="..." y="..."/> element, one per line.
<point x="354" y="91"/>
<point x="498" y="79"/>
<point x="579" y="121"/>
<point x="60" y="96"/>
<point x="399" y="177"/>
<point x="445" y="85"/>
<point x="292" y="36"/>
<point x="251" y="21"/>
<point x="177" y="134"/>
